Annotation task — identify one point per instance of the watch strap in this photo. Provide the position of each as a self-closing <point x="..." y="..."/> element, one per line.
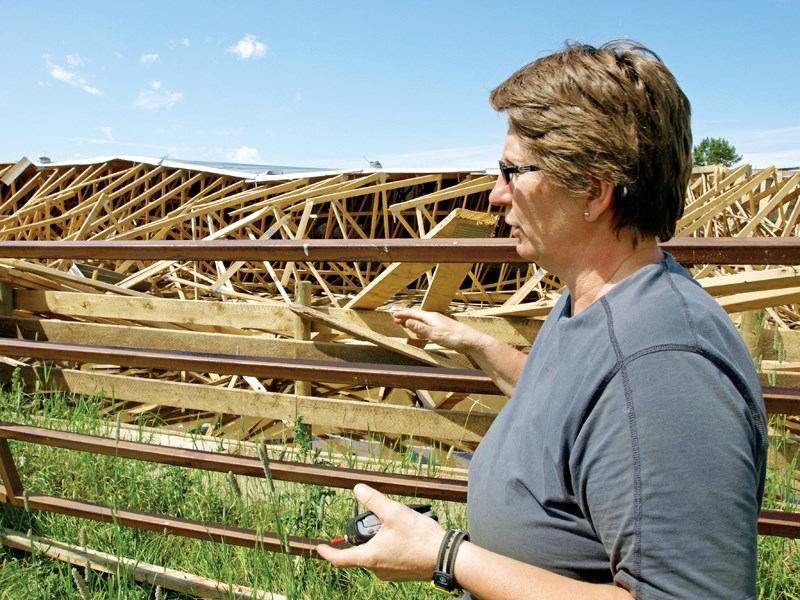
<point x="443" y="579"/>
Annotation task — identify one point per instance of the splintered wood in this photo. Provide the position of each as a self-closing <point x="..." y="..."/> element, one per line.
<point x="249" y="307"/>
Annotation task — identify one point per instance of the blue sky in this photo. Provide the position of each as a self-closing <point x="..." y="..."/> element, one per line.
<point x="336" y="84"/>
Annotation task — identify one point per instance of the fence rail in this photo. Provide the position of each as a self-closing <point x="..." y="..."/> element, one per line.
<point x="783" y="400"/>
<point x="770" y="522"/>
<point x="694" y="250"/>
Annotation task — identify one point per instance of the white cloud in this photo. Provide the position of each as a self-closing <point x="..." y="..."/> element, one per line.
<point x="243" y="154"/>
<point x="69" y="75"/>
<point x="184" y="41"/>
<point x="155" y="98"/>
<point x="148" y="59"/>
<point x="106" y="131"/>
<point x="64" y="75"/>
<point x="248" y="47"/>
<point x="156" y="85"/>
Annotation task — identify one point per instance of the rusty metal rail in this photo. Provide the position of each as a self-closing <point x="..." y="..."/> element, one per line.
<point x="390" y="483"/>
<point x="775" y="251"/>
<point x="424" y="378"/>
<point x="770" y="522"/>
<point x="13" y="491"/>
<point x="688" y="250"/>
<point x="778" y="400"/>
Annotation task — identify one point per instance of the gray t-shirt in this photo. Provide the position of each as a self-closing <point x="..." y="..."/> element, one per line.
<point x="633" y="450"/>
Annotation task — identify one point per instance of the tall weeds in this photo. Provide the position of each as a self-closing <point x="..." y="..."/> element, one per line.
<point x="262" y="504"/>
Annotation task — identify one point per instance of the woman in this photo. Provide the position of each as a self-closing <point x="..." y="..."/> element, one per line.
<point x="630" y="458"/>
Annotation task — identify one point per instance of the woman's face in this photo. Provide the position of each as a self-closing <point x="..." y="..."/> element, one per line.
<point x="546" y="220"/>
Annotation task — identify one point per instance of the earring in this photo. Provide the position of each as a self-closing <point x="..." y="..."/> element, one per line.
<point x="586" y="215"/>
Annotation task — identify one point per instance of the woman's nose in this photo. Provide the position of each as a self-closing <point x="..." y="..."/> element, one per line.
<point x="500" y="194"/>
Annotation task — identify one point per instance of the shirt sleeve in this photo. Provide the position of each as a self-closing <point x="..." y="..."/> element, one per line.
<point x="666" y="467"/>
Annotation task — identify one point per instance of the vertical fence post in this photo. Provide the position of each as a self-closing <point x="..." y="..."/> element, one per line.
<point x="302" y="329"/>
<point x="752" y="330"/>
<point x="9" y="473"/>
<point x="6" y="299"/>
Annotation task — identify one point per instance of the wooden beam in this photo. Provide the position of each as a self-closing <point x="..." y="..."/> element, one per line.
<point x="518" y="332"/>
<point x="463" y="427"/>
<point x="155" y="575"/>
<point x="239" y="315"/>
<point x="460" y="223"/>
<point x="383" y="341"/>
<point x="12" y="485"/>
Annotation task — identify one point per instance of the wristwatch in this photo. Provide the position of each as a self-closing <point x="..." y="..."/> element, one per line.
<point x="443" y="580"/>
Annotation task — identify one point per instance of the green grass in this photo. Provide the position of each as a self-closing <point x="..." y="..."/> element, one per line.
<point x="291" y="509"/>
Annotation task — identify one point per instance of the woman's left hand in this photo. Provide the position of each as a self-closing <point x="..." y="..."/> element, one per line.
<point x="404" y="549"/>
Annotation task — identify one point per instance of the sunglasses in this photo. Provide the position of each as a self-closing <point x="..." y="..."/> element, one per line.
<point x="508" y="170"/>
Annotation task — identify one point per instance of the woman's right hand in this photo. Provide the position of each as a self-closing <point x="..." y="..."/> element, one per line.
<point x="439" y="329"/>
<point x="499" y="361"/>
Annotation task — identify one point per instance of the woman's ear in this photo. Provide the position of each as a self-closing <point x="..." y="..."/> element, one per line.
<point x="599" y="200"/>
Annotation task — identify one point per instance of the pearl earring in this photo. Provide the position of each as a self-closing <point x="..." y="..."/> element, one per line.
<point x="586" y="215"/>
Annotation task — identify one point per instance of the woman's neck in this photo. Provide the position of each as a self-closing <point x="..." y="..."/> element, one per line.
<point x="608" y="270"/>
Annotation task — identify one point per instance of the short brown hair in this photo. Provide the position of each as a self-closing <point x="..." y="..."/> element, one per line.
<point x="613" y="113"/>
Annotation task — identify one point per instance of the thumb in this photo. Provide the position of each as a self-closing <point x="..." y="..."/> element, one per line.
<point x="417" y="326"/>
<point x="371" y="498"/>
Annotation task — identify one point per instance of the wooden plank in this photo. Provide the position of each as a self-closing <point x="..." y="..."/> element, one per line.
<point x="15" y="198"/>
<point x="155" y="575"/>
<point x="462" y="427"/>
<point x="271" y="318"/>
<point x="12" y="484"/>
<point x="447" y="278"/>
<point x="383" y="341"/>
<point x="11" y="174"/>
<point x="70" y="280"/>
<point x="740" y="172"/>
<point x="751" y="281"/>
<point x="460" y="223"/>
<point x="469" y="186"/>
<point x="761" y="299"/>
<point x="517" y="332"/>
<point x="525" y="309"/>
<point x="695" y="219"/>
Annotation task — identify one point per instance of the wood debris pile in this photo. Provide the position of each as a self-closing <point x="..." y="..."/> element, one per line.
<point x="245" y="304"/>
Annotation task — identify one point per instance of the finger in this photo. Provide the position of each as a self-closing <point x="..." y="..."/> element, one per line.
<point x="417" y="327"/>
<point x="338" y="557"/>
<point x="371" y="498"/>
<point x="409" y="313"/>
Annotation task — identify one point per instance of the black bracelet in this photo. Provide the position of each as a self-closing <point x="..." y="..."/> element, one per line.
<point x="443" y="579"/>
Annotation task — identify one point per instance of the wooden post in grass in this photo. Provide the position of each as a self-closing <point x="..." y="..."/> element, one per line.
<point x="302" y="329"/>
<point x="6" y="299"/>
<point x="752" y="330"/>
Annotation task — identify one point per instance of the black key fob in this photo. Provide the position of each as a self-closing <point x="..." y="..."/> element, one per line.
<point x="364" y="527"/>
